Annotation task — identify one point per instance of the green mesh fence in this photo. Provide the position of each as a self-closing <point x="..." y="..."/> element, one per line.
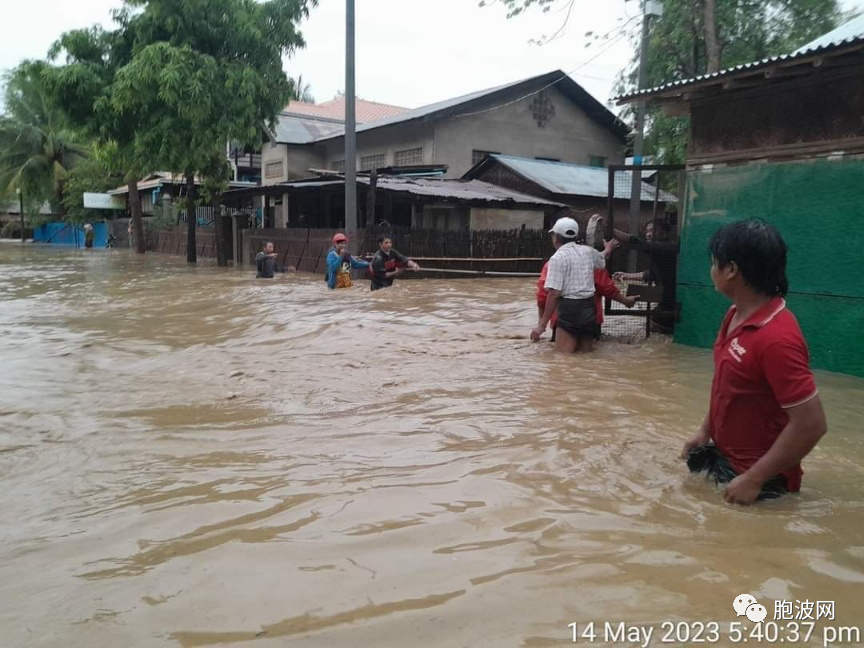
<point x="819" y="208"/>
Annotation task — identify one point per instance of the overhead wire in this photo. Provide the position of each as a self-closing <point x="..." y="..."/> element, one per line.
<point x="620" y="35"/>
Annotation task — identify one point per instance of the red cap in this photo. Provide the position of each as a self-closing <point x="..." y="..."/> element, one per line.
<point x="339" y="238"/>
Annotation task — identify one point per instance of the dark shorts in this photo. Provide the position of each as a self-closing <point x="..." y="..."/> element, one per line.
<point x="710" y="460"/>
<point x="578" y="317"/>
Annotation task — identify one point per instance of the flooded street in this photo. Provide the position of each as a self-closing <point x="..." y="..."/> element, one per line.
<point x="191" y="457"/>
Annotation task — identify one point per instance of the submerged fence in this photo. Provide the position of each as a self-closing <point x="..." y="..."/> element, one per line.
<point x="458" y="253"/>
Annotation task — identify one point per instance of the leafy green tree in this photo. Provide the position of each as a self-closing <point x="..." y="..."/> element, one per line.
<point x="85" y="84"/>
<point x="683" y="46"/>
<point x="203" y="73"/>
<point x="38" y="148"/>
<point x="92" y="174"/>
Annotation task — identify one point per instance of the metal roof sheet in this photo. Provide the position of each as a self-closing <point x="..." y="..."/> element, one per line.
<point x="294" y="129"/>
<point x="577" y="179"/>
<point x="469" y="190"/>
<point x="849" y="33"/>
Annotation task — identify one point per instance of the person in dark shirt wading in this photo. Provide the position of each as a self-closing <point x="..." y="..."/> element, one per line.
<point x="266" y="263"/>
<point x="388" y="264"/>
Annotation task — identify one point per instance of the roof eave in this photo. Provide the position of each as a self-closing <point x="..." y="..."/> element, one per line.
<point x="678" y="92"/>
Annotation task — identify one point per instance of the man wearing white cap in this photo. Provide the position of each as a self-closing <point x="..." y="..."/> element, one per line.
<point x="570" y="287"/>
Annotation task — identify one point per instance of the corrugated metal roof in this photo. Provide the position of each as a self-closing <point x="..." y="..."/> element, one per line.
<point x="291" y="129"/>
<point x="849" y="33"/>
<point x="467" y="190"/>
<point x="577" y="179"/>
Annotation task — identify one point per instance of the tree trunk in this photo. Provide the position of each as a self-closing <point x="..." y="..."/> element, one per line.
<point x="712" y="43"/>
<point x="221" y="248"/>
<point x="137" y="221"/>
<point x="191" y="218"/>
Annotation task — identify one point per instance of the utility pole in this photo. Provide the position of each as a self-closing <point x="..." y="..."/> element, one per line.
<point x="21" y="209"/>
<point x="650" y="8"/>
<point x="350" y="127"/>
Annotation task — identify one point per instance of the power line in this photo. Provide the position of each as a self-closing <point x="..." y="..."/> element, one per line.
<point x="565" y="75"/>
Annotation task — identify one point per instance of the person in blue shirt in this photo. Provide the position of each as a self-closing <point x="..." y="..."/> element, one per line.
<point x="339" y="263"/>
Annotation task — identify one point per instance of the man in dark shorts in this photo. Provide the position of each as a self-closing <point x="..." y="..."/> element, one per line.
<point x="388" y="264"/>
<point x="570" y="288"/>
<point x="765" y="414"/>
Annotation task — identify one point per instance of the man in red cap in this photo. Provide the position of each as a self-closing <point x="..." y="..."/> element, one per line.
<point x="339" y="263"/>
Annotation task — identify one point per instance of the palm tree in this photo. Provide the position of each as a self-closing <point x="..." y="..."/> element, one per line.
<point x="37" y="147"/>
<point x="302" y="91"/>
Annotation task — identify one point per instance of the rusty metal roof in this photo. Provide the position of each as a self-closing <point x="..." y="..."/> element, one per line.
<point x="465" y="190"/>
<point x="849" y="34"/>
<point x="435" y="188"/>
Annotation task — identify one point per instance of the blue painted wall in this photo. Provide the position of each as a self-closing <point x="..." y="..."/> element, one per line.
<point x="66" y="234"/>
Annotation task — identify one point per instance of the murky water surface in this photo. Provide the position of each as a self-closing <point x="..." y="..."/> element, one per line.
<point x="190" y="457"/>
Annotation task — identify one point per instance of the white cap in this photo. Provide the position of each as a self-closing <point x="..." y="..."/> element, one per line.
<point x="566" y="228"/>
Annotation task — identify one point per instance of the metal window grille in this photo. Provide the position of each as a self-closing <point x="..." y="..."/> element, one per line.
<point x="274" y="170"/>
<point x="339" y="166"/>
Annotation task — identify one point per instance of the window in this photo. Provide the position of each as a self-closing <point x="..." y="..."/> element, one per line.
<point x="369" y="162"/>
<point x="339" y="166"/>
<point x="274" y="170"/>
<point x="409" y="156"/>
<point x="479" y="156"/>
<point x="545" y="159"/>
<point x="597" y="161"/>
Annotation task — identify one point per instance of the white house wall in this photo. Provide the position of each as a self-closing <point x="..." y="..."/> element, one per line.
<point x="569" y="136"/>
<point x="385" y="141"/>
<point x="295" y="161"/>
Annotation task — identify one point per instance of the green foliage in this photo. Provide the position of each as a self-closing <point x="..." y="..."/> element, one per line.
<point x="204" y="72"/>
<point x="301" y="91"/>
<point x="38" y="147"/>
<point x="747" y="30"/>
<point x="91" y="175"/>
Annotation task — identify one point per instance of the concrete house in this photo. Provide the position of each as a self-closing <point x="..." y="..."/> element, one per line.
<point x="549" y="117"/>
<point x="780" y="139"/>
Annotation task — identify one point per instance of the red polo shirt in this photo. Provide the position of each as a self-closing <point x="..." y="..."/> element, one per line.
<point x="760" y="370"/>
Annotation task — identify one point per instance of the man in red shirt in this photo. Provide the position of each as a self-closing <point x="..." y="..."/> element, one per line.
<point x="765" y="414"/>
<point x="603" y="286"/>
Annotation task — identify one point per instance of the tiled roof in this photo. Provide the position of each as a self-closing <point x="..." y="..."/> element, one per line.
<point x="366" y="111"/>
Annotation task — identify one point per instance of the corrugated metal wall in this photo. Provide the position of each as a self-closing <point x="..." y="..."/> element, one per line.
<point x="819" y="208"/>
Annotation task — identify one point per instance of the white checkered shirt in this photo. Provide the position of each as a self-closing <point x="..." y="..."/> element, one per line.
<point x="571" y="270"/>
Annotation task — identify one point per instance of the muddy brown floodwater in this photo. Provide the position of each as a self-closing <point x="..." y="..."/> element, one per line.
<point x="191" y="457"/>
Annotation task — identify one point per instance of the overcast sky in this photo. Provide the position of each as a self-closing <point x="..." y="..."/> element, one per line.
<point x="409" y="52"/>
